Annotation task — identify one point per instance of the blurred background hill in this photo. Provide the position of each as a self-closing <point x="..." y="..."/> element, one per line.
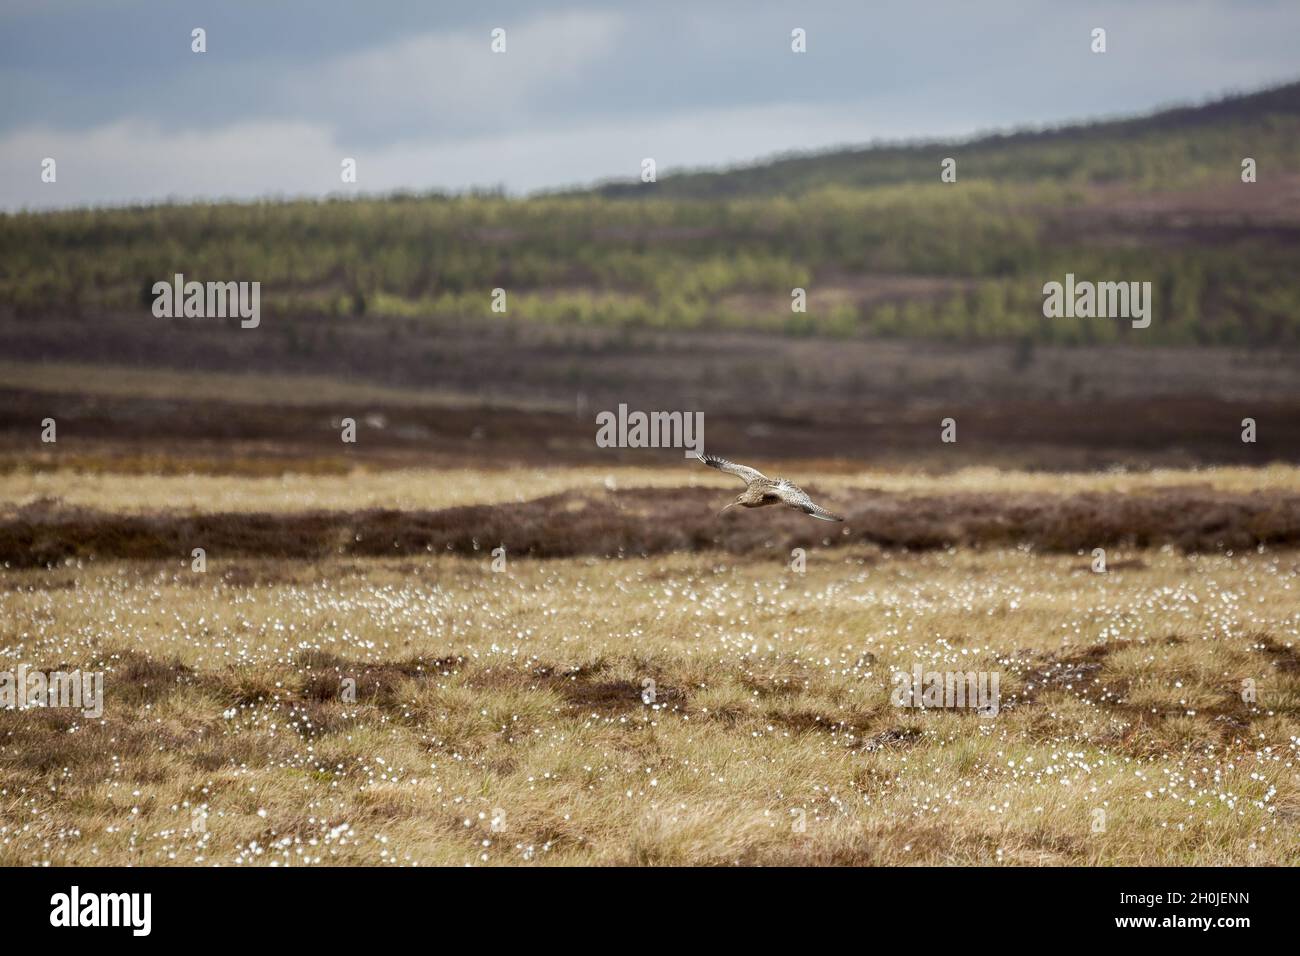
<point x="924" y="300"/>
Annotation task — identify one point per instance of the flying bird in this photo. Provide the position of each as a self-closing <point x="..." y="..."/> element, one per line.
<point x="761" y="490"/>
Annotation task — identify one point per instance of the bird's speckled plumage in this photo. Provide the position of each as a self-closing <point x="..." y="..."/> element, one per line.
<point x="761" y="490"/>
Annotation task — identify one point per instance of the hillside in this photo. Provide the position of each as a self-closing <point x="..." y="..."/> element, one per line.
<point x="1179" y="145"/>
<point x="882" y="247"/>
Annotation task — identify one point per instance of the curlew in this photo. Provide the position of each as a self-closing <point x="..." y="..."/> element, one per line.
<point x="761" y="490"/>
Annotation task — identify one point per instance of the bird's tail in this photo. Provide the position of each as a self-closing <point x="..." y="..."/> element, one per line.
<point x="823" y="514"/>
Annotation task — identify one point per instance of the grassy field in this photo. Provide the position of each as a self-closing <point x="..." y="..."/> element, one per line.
<point x="413" y="488"/>
<point x="475" y="636"/>
<point x="507" y="717"/>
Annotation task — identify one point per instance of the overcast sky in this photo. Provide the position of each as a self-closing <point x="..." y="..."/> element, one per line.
<point x="287" y="88"/>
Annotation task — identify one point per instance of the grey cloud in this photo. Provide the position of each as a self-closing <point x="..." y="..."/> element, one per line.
<point x="413" y="93"/>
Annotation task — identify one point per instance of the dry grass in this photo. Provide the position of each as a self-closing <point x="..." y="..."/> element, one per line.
<point x="518" y="696"/>
<point x="422" y="488"/>
<point x="647" y="521"/>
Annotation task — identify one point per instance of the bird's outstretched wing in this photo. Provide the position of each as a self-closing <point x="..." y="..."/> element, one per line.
<point x="730" y="467"/>
<point x="796" y="497"/>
